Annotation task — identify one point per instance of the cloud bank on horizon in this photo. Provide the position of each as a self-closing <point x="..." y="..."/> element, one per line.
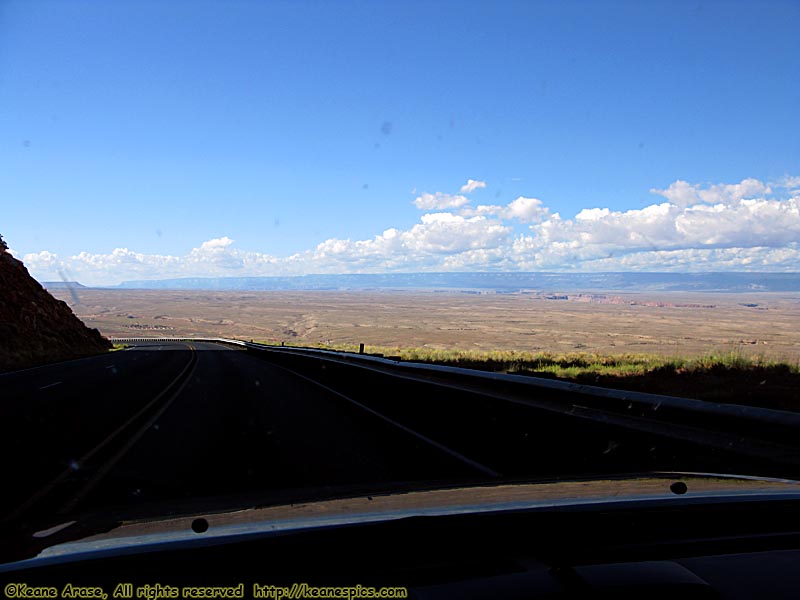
<point x="750" y="225"/>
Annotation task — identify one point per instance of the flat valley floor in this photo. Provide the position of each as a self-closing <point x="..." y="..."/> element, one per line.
<point x="668" y="324"/>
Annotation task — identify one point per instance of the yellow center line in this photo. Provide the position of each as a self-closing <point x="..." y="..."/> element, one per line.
<point x="70" y="470"/>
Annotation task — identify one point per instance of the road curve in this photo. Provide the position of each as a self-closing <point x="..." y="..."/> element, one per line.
<point x="177" y="421"/>
<point x="190" y="423"/>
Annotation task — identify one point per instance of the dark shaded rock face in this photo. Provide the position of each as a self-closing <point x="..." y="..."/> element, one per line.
<point x="35" y="328"/>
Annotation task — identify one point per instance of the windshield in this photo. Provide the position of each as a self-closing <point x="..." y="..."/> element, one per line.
<point x="292" y="251"/>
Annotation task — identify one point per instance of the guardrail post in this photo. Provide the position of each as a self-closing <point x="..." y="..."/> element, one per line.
<point x="361" y="348"/>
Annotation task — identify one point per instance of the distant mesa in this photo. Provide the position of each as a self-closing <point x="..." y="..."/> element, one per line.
<point x="35" y="328"/>
<point x="61" y="285"/>
<point x="493" y="282"/>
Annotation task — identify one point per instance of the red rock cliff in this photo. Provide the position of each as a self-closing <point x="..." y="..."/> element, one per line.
<point x="35" y="328"/>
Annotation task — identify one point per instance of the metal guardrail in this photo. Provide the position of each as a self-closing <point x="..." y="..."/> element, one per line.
<point x="175" y="339"/>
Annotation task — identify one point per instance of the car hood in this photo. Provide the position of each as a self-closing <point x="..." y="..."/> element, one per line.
<point x="219" y="527"/>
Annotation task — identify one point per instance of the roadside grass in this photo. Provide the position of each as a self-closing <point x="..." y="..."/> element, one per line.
<point x="578" y="365"/>
<point x="116" y="347"/>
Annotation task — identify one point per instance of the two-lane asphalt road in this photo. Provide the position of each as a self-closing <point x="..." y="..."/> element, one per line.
<point x="173" y="421"/>
<point x="54" y="415"/>
<point x="189" y="423"/>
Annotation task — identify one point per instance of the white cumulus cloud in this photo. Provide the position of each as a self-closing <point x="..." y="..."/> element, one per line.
<point x="524" y="210"/>
<point x="682" y="193"/>
<point x="527" y="210"/>
<point x="599" y="233"/>
<point x="425" y="244"/>
<point x="738" y="226"/>
<point x="439" y="201"/>
<point x="789" y="183"/>
<point x="472" y="185"/>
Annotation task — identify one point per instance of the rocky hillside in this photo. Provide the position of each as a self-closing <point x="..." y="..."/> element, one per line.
<point x="35" y="328"/>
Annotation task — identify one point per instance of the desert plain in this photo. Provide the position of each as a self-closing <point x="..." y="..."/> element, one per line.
<point x="664" y="323"/>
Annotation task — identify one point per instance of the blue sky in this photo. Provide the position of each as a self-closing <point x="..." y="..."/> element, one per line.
<point x="159" y="139"/>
